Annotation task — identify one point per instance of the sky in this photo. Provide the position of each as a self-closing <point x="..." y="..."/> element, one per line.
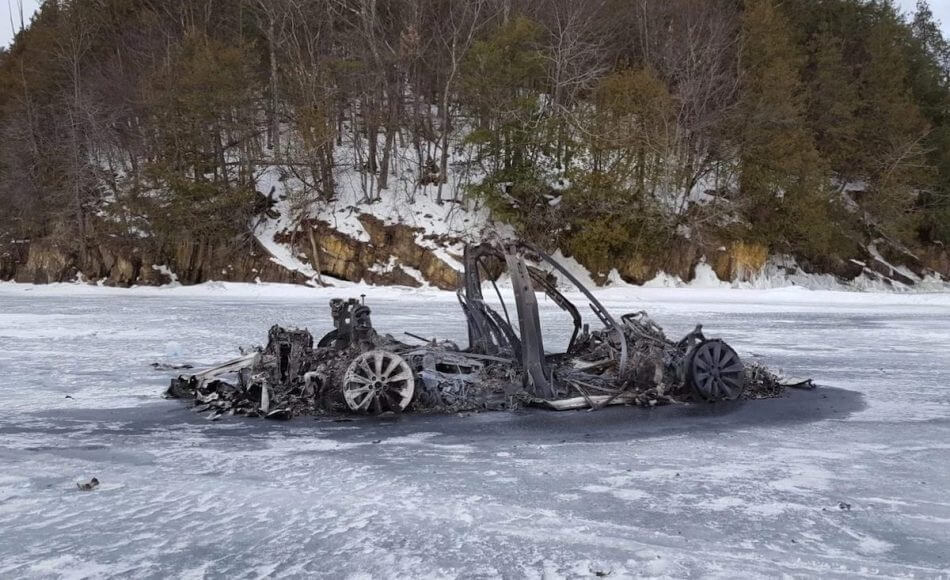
<point x="940" y="8"/>
<point x="10" y="17"/>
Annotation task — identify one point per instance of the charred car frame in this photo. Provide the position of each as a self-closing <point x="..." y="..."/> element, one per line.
<point x="354" y="368"/>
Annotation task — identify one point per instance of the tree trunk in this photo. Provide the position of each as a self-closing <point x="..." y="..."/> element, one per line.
<point x="392" y="127"/>
<point x="273" y="136"/>
<point x="316" y="255"/>
<point x="444" y="163"/>
<point x="325" y="160"/>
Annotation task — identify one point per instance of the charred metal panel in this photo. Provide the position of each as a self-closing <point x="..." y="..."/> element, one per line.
<point x="537" y="375"/>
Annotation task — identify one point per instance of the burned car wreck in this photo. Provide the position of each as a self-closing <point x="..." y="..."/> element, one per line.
<point x="354" y="368"/>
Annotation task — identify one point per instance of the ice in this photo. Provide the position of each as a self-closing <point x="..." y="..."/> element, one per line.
<point x="705" y="277"/>
<point x="173" y="350"/>
<point x="718" y="490"/>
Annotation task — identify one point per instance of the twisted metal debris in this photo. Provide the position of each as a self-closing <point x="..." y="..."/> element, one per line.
<point x="353" y="368"/>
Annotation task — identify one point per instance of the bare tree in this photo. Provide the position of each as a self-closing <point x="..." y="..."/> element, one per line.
<point x="462" y="23"/>
<point x="73" y="42"/>
<point x="575" y="55"/>
<point x="274" y="18"/>
<point x="693" y="47"/>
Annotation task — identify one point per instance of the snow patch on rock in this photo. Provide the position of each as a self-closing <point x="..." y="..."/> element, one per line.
<point x="166" y="271"/>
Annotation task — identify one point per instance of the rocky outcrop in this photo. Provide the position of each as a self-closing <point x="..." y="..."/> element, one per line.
<point x="126" y="262"/>
<point x="937" y="258"/>
<point x="45" y="262"/>
<point x="739" y="261"/>
<point x="398" y="254"/>
<point x="735" y="261"/>
<point x="13" y="254"/>
<point x="392" y="255"/>
<point x="878" y="260"/>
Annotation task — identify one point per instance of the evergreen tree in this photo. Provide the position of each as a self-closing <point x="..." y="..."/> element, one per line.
<point x="202" y="112"/>
<point x="780" y="171"/>
<point x="600" y="129"/>
<point x="929" y="70"/>
<point x="831" y="102"/>
<point x="891" y="128"/>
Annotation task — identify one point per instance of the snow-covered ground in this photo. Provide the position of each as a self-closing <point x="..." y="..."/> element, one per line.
<point x="751" y="489"/>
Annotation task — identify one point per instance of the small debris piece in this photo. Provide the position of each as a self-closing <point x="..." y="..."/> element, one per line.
<point x="170" y="367"/>
<point x="265" y="399"/>
<point x="88" y="486"/>
<point x="584" y="402"/>
<point x="806" y="384"/>
<point x="844" y="506"/>
<point x="279" y="415"/>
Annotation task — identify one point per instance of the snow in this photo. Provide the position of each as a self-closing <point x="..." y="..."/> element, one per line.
<point x="385" y="268"/>
<point x="705" y="277"/>
<point x="270" y="183"/>
<point x="783" y="272"/>
<point x="722" y="491"/>
<point x="571" y="265"/>
<point x="443" y="228"/>
<point x="166" y="271"/>
<point x="394" y="263"/>
<point x="415" y="274"/>
<point x="903" y="270"/>
<point x="404" y="201"/>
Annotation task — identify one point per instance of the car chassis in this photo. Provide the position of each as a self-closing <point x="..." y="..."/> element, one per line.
<point x="353" y="368"/>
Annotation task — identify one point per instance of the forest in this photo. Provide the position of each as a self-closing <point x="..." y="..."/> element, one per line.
<point x="608" y="129"/>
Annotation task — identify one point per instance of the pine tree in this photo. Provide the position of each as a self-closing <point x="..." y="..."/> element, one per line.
<point x="831" y="102"/>
<point x="780" y="172"/>
<point x="929" y="71"/>
<point x="891" y="127"/>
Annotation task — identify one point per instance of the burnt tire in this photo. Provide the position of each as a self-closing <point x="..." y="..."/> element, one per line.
<point x="714" y="371"/>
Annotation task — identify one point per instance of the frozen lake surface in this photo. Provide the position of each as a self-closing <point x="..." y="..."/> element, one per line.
<point x="747" y="489"/>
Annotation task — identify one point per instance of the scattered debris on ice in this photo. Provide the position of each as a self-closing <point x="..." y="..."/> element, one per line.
<point x="89" y="485"/>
